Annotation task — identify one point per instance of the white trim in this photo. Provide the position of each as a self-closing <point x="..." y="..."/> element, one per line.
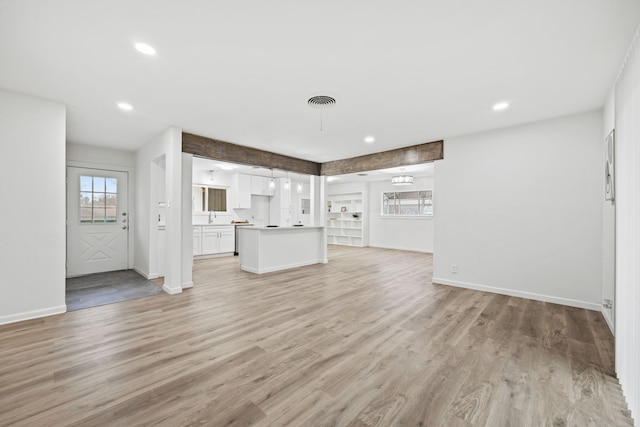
<point x="145" y="275"/>
<point x="398" y="248"/>
<point x="35" y="314"/>
<point x="171" y="291"/>
<point x="520" y="294"/>
<point x="607" y="317"/>
<point x="187" y="285"/>
<point x="280" y="267"/>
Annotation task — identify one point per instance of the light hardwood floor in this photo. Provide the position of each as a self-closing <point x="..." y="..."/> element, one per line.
<point x="364" y="340"/>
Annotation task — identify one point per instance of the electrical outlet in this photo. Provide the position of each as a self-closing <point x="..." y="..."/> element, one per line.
<point x="454" y="268"/>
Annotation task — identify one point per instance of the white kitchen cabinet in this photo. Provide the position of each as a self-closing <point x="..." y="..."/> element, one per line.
<point x="213" y="239"/>
<point x="227" y="240"/>
<point x="260" y="186"/>
<point x="197" y="240"/>
<point x="241" y="191"/>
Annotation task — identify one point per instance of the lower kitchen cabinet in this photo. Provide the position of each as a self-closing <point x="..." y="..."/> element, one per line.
<point x="213" y="240"/>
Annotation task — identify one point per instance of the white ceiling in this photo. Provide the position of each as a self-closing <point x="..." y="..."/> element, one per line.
<point x="242" y="71"/>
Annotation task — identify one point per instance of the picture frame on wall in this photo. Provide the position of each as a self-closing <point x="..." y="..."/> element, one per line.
<point x="609" y="166"/>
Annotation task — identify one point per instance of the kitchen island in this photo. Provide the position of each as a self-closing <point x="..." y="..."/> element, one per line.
<point x="266" y="249"/>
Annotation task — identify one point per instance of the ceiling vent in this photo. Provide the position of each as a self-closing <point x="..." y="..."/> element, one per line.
<point x="321" y="101"/>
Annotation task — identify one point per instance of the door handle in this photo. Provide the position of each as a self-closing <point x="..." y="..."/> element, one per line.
<point x="124" y="227"/>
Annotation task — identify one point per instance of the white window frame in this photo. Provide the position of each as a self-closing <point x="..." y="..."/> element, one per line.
<point x="400" y="215"/>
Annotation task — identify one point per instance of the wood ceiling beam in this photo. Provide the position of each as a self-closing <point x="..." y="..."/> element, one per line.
<point x="413" y="155"/>
<point x="228" y="152"/>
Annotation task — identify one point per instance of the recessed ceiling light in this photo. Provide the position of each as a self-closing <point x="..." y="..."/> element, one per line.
<point x="125" y="106"/>
<point x="501" y="106"/>
<point x="145" y="48"/>
<point x="369" y="139"/>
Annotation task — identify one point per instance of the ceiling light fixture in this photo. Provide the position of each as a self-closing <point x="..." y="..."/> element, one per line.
<point x="321" y="102"/>
<point x="125" y="106"/>
<point x="145" y="48"/>
<point x="402" y="179"/>
<point x="369" y="139"/>
<point x="211" y="177"/>
<point x="500" y="106"/>
<point x="225" y="167"/>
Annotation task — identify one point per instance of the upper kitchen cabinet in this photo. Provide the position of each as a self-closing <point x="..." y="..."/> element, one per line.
<point x="241" y="191"/>
<point x="262" y="186"/>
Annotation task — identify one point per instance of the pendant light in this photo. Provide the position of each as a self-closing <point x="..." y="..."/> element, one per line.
<point x="272" y="182"/>
<point x="402" y="179"/>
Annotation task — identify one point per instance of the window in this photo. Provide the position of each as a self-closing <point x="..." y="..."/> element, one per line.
<point x="98" y="199"/>
<point x="407" y="203"/>
<point x="217" y="200"/>
<point x="209" y="199"/>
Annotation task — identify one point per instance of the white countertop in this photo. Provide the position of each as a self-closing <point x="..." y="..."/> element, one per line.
<point x="264" y="227"/>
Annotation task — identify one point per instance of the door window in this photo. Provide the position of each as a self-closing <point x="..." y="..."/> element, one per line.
<point x="98" y="199"/>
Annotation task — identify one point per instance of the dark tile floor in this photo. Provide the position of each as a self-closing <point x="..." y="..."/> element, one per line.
<point x="107" y="288"/>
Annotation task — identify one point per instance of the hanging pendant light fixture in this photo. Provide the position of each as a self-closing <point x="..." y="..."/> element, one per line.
<point x="402" y="179"/>
<point x="272" y="182"/>
<point x="211" y="177"/>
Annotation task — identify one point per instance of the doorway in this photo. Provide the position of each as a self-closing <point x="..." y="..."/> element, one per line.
<point x="97" y="221"/>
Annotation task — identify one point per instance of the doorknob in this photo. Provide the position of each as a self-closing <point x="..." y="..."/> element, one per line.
<point x="124" y="227"/>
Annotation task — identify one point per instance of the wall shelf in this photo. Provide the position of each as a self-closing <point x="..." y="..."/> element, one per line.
<point x="342" y="227"/>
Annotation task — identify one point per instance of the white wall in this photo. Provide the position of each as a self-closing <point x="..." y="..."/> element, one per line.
<point x="519" y="211"/>
<point x="608" y="222"/>
<point x="32" y="168"/>
<point x="164" y="151"/>
<point x="90" y="155"/>
<point x="413" y="234"/>
<point x="627" y="194"/>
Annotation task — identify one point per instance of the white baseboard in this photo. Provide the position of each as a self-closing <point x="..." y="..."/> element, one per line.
<point x="606" y="313"/>
<point x="520" y="294"/>
<point x="171" y="291"/>
<point x="397" y="248"/>
<point x="279" y="267"/>
<point x="35" y="314"/>
<point x="187" y="285"/>
<point x="144" y="274"/>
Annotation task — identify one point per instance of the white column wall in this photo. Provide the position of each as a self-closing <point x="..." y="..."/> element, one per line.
<point x="167" y="146"/>
<point x="608" y="223"/>
<point x="519" y="211"/>
<point x="187" y="223"/>
<point x="627" y="195"/>
<point x="32" y="225"/>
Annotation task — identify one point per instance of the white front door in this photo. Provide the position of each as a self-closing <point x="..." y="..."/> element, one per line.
<point x="97" y="221"/>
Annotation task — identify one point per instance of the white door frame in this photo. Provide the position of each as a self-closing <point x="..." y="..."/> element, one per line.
<point x="130" y="196"/>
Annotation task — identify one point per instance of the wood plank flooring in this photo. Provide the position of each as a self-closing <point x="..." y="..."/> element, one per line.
<point x="362" y="341"/>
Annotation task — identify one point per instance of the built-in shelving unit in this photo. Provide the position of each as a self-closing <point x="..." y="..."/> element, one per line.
<point x="346" y="219"/>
